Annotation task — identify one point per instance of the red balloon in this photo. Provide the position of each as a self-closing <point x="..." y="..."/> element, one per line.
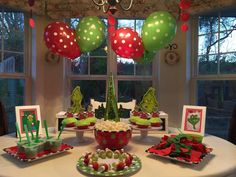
<point x="31" y="22"/>
<point x="127" y="43"/>
<point x="60" y="39"/>
<point x="184" y="16"/>
<point x="184" y="4"/>
<point x="184" y="27"/>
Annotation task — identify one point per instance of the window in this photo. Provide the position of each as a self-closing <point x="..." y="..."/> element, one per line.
<point x="216" y="71"/>
<point x="91" y="71"/>
<point x="12" y="62"/>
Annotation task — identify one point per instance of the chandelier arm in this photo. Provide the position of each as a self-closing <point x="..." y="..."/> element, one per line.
<point x="126" y="8"/>
<point x="104" y="9"/>
<point x="99" y="4"/>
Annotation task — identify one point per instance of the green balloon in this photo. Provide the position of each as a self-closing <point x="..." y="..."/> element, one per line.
<point x="158" y="30"/>
<point x="146" y="58"/>
<point x="90" y="33"/>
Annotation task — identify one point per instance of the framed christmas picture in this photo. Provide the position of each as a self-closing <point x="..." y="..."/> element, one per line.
<point x="28" y="115"/>
<point x="193" y="119"/>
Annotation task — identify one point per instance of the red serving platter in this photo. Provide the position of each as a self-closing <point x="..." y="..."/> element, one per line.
<point x="21" y="156"/>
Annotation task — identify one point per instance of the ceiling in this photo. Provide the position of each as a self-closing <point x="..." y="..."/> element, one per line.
<point x="59" y="9"/>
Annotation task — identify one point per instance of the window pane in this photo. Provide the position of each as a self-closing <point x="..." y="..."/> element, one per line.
<point x="126" y="23"/>
<point x="91" y="89"/>
<point x="81" y="66"/>
<point x="207" y="64"/>
<point x="220" y="99"/>
<point x="139" y="24"/>
<point x="13" y="32"/>
<point x="229" y="43"/>
<point x="227" y="23"/>
<point x="207" y="45"/>
<point x="228" y="63"/>
<point x="125" y="66"/>
<point x="101" y="51"/>
<point x="74" y="22"/>
<point x="128" y="90"/>
<point x="207" y="24"/>
<point x="144" y="69"/>
<point x="11" y="94"/>
<point x="98" y="65"/>
<point x="12" y="62"/>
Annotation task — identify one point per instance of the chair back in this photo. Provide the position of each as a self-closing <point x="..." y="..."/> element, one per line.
<point x="232" y="127"/>
<point x="3" y="120"/>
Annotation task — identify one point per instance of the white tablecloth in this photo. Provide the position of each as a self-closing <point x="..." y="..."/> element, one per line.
<point x="221" y="162"/>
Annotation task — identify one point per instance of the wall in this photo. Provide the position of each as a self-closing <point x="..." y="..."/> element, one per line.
<point x="47" y="78"/>
<point x="174" y="81"/>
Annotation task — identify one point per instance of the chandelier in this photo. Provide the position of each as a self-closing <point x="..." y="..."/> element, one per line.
<point x="111" y="5"/>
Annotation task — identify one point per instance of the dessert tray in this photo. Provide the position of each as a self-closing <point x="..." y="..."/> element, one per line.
<point x="108" y="163"/>
<point x="181" y="149"/>
<point x="21" y="156"/>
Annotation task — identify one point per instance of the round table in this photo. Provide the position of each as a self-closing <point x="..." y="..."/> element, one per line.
<point x="221" y="162"/>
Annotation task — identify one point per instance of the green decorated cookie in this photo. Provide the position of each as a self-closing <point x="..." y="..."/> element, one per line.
<point x="69" y="122"/>
<point x="141" y="121"/>
<point x="155" y="120"/>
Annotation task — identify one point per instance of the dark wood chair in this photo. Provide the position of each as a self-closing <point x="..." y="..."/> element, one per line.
<point x="232" y="127"/>
<point x="3" y="120"/>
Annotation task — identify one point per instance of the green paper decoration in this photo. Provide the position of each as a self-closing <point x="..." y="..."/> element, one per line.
<point x="111" y="103"/>
<point x="193" y="120"/>
<point x="147" y="58"/>
<point x="158" y="30"/>
<point x="76" y="98"/>
<point x="90" y="33"/>
<point x="149" y="102"/>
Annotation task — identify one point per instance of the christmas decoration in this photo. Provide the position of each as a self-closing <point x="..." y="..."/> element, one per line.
<point x="90" y="33"/>
<point x="184" y="16"/>
<point x="127" y="43"/>
<point x="158" y="30"/>
<point x="111" y="112"/>
<point x="60" y="39"/>
<point x="149" y="102"/>
<point x="76" y="98"/>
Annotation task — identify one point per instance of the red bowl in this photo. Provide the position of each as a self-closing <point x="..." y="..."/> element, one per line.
<point x="112" y="140"/>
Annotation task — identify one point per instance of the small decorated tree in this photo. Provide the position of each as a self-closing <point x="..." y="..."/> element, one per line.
<point x="149" y="102"/>
<point x="111" y="112"/>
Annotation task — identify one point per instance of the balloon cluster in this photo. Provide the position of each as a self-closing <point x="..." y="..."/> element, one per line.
<point x="158" y="30"/>
<point x="62" y="40"/>
<point x="184" y="16"/>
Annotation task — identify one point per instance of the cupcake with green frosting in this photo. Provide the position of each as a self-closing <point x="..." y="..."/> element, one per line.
<point x="70" y="122"/>
<point x="91" y="120"/>
<point x="142" y="123"/>
<point x="133" y="119"/>
<point x="155" y="122"/>
<point x="83" y="124"/>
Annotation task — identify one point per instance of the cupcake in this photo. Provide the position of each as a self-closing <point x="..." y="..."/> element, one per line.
<point x="133" y="119"/>
<point x="155" y="122"/>
<point x="70" y="122"/>
<point x="91" y="120"/>
<point x="83" y="124"/>
<point x="142" y="123"/>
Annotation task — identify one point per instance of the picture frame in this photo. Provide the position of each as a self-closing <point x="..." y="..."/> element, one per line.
<point x="29" y="113"/>
<point x="193" y="119"/>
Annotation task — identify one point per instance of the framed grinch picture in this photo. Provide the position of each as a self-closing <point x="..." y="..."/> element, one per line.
<point x="193" y="119"/>
<point x="28" y="115"/>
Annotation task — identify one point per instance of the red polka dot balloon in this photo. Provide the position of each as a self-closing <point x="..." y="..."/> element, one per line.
<point x="60" y="39"/>
<point x="127" y="44"/>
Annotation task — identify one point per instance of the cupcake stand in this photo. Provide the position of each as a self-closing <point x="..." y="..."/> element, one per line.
<point x="145" y="131"/>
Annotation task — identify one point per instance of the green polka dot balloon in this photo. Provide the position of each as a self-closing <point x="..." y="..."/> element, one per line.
<point x="90" y="33"/>
<point x="158" y="30"/>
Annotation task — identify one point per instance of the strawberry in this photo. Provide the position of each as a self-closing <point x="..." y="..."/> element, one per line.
<point x="144" y="115"/>
<point x="69" y="114"/>
<point x="103" y="167"/>
<point x="90" y="114"/>
<point x="87" y="155"/>
<point x="86" y="161"/>
<point x="155" y="114"/>
<point x="128" y="161"/>
<point x="82" y="116"/>
<point x="95" y="166"/>
<point x="136" y="113"/>
<point x="120" y="166"/>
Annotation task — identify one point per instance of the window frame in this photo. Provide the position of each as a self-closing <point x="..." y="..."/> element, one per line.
<point x="111" y="67"/>
<point x="27" y="53"/>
